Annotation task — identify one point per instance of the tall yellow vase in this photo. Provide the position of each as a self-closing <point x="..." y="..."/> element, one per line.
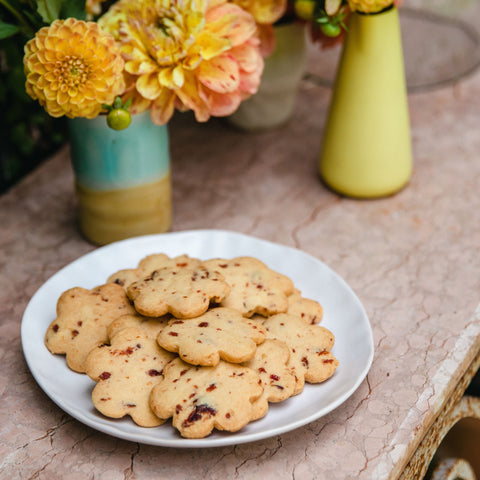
<point x="366" y="149"/>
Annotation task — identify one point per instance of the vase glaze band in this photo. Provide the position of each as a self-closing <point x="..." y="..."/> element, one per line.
<point x="386" y="9"/>
<point x="106" y="159"/>
<point x="108" y="216"/>
<point x="122" y="178"/>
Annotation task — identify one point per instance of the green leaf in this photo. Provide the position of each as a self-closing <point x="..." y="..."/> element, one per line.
<point x="74" y="8"/>
<point x="34" y="18"/>
<point x="49" y="10"/>
<point x="7" y="30"/>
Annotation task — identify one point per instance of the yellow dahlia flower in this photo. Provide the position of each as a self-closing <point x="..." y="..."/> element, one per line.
<point x="195" y="55"/>
<point x="369" y="6"/>
<point x="72" y="68"/>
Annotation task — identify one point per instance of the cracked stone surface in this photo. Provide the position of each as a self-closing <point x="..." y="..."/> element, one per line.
<point x="413" y="259"/>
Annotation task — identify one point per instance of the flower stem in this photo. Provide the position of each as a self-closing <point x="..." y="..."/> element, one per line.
<point x="23" y="21"/>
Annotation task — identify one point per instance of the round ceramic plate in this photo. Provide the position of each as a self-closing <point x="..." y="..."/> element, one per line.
<point x="344" y="315"/>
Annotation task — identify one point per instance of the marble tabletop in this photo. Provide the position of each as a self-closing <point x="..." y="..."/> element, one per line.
<point x="413" y="259"/>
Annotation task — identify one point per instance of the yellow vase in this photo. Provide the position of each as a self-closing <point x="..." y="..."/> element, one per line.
<point x="366" y="150"/>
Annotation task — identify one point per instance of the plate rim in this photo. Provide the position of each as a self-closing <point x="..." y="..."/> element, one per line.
<point x="229" y="438"/>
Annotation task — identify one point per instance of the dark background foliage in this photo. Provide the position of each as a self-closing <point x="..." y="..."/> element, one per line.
<point x="27" y="134"/>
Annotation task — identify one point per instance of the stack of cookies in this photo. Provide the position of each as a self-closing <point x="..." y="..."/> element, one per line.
<point x="208" y="344"/>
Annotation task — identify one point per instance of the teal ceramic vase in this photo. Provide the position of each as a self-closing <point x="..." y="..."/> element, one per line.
<point x="122" y="178"/>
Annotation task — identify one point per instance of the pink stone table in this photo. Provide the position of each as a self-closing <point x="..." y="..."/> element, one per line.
<point x="413" y="259"/>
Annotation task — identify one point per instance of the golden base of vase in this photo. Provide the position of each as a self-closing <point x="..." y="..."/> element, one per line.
<point x="364" y="192"/>
<point x="109" y="216"/>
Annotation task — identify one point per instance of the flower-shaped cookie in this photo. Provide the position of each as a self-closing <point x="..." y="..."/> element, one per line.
<point x="255" y="288"/>
<point x="183" y="292"/>
<point x="82" y="320"/>
<point x="310" y="311"/>
<point x="149" y="264"/>
<point x="126" y="372"/>
<point x="203" y="398"/>
<point x="152" y="326"/>
<point x="278" y="379"/>
<point x="310" y="346"/>
<point x="220" y="333"/>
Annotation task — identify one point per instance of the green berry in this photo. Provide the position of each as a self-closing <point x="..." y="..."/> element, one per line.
<point x="330" y="29"/>
<point x="304" y="9"/>
<point x="118" y="118"/>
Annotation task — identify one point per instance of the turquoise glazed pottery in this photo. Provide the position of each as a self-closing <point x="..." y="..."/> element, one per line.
<point x="122" y="178"/>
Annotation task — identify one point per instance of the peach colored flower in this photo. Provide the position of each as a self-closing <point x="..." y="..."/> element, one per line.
<point x="94" y="7"/>
<point x="186" y="54"/>
<point x="265" y="13"/>
<point x="72" y="68"/>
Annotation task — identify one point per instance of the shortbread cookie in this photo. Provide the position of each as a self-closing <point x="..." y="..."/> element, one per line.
<point x="144" y="268"/>
<point x="126" y="372"/>
<point x="310" y="311"/>
<point x="152" y="326"/>
<point x="82" y="320"/>
<point x="310" y="345"/>
<point x="203" y="398"/>
<point x="148" y="265"/>
<point x="278" y="379"/>
<point x="255" y="288"/>
<point x="183" y="292"/>
<point x="220" y="333"/>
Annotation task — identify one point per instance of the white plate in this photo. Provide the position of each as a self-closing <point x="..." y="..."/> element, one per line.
<point x="344" y="315"/>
